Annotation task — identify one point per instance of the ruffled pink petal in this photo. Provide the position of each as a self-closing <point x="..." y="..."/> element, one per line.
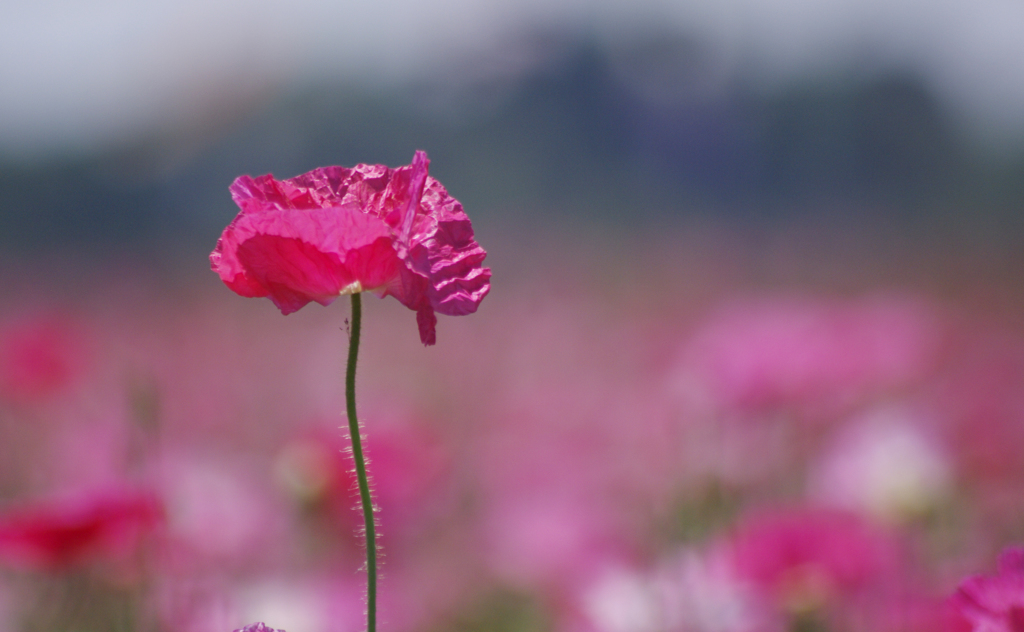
<point x="437" y="245"/>
<point x="298" y="256"/>
<point x="291" y="271"/>
<point x="458" y="280"/>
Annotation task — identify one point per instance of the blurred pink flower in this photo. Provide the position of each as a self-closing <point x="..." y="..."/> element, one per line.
<point x="688" y="591"/>
<point x="995" y="603"/>
<point x="218" y="513"/>
<point x="908" y="613"/>
<point x="982" y="397"/>
<point x="410" y="468"/>
<point x="552" y="544"/>
<point x="39" y="355"/>
<point x="816" y="356"/>
<point x="335" y="231"/>
<point x="60" y="534"/>
<point x="809" y="558"/>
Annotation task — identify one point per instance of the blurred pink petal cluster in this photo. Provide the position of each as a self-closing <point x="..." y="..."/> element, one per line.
<point x="621" y="457"/>
<point x="816" y="356"/>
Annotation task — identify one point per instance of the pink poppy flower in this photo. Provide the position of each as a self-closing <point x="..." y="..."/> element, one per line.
<point x="995" y="604"/>
<point x="335" y="231"/>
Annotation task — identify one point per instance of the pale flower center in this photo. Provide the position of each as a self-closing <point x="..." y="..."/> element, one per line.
<point x="354" y="287"/>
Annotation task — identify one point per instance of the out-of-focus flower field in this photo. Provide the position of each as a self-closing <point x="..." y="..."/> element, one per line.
<point x="692" y="432"/>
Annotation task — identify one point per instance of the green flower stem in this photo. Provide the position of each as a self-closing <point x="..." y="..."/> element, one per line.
<point x="357" y="456"/>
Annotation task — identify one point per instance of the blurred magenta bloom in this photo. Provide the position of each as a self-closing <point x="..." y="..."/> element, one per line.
<point x="58" y="535"/>
<point x="39" y="355"/>
<point x="995" y="603"/>
<point x="817" y="356"/>
<point x="909" y="613"/>
<point x="809" y="558"/>
<point x="335" y="231"/>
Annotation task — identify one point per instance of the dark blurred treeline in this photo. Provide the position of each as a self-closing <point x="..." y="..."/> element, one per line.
<point x="641" y="134"/>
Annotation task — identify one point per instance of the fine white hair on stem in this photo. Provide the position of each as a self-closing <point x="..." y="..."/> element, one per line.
<point x="371" y="483"/>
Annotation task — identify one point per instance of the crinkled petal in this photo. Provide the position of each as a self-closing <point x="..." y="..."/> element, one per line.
<point x="437" y="244"/>
<point x="458" y="279"/>
<point x="320" y="188"/>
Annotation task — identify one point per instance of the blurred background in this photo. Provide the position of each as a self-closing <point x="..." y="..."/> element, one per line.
<point x="753" y="359"/>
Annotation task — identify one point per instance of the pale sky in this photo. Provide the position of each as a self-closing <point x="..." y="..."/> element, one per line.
<point x="85" y="74"/>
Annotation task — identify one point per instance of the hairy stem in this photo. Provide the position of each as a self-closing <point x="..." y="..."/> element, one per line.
<point x="357" y="456"/>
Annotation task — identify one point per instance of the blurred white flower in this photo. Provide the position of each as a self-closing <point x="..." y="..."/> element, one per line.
<point x="624" y="601"/>
<point x="702" y="593"/>
<point x="884" y="464"/>
<point x="689" y="592"/>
